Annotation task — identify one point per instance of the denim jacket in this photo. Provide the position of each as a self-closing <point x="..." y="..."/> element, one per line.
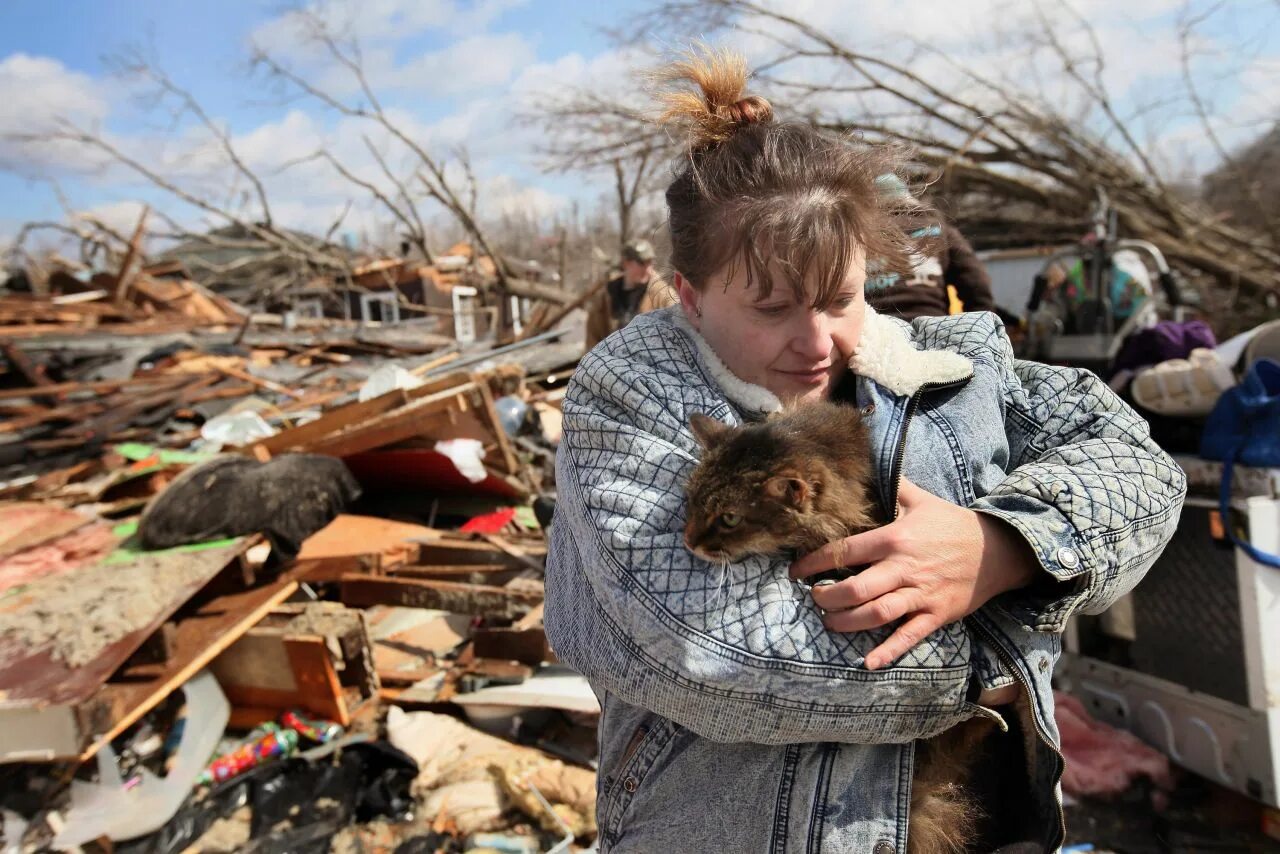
<point x="732" y="719"/>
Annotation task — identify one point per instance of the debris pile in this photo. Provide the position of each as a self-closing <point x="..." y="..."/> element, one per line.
<point x="271" y="582"/>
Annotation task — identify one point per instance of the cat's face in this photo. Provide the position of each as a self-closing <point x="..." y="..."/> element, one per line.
<point x="743" y="497"/>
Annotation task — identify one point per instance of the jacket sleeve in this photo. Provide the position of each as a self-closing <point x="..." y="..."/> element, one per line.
<point x="966" y="272"/>
<point x="736" y="653"/>
<point x="1087" y="487"/>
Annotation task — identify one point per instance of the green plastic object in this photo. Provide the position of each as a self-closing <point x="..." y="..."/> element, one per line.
<point x="125" y="554"/>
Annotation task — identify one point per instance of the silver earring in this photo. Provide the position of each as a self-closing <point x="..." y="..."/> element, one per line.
<point x="697" y="311"/>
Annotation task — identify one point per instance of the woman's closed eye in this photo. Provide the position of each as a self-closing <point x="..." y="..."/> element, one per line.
<point x="773" y="309"/>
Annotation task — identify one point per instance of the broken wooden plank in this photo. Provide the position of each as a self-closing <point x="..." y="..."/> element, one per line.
<point x="528" y="646"/>
<point x="125" y="277"/>
<point x="268" y="385"/>
<point x="414" y="419"/>
<point x="510" y="462"/>
<point x="459" y="598"/>
<point x="318" y="686"/>
<point x="24" y="366"/>
<point x="300" y="438"/>
<point x="198" y="639"/>
<point x="100" y="387"/>
<point x="449" y="550"/>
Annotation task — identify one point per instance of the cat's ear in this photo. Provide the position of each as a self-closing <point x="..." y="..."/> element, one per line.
<point x="707" y="430"/>
<point x="788" y="487"/>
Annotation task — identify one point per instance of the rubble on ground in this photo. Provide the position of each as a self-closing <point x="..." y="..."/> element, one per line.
<point x="299" y="682"/>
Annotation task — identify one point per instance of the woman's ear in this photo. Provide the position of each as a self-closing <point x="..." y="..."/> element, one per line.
<point x="689" y="300"/>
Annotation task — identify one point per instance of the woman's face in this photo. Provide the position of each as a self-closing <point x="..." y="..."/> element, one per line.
<point x="779" y="342"/>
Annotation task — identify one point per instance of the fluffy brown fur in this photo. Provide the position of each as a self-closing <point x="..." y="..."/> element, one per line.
<point x="798" y="481"/>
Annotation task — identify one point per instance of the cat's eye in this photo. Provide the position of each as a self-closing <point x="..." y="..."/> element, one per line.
<point x="730" y="520"/>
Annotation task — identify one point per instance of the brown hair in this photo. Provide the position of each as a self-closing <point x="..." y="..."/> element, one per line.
<point x="754" y="190"/>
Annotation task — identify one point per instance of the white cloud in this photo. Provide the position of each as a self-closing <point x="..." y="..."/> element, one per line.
<point x="38" y="93"/>
<point x="120" y="216"/>
<point x="505" y="196"/>
<point x="478" y="62"/>
<point x="373" y="21"/>
<point x="473" y="60"/>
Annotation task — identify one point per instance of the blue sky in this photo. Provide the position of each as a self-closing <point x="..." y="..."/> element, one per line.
<point x="204" y="47"/>
<point x="456" y="71"/>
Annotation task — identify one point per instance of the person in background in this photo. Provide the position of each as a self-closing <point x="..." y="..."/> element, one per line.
<point x="639" y="289"/>
<point x="923" y="293"/>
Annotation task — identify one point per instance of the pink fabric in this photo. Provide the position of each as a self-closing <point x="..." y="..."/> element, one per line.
<point x="1102" y="760"/>
<point x="78" y="548"/>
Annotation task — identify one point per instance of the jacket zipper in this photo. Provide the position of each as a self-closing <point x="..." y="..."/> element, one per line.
<point x="1035" y="721"/>
<point x="895" y="473"/>
<point x="896" y="479"/>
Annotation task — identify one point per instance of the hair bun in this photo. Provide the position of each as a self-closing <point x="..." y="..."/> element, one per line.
<point x="705" y="98"/>
<point x="751" y="109"/>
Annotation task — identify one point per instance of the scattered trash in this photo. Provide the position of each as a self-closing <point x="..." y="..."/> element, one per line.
<point x="386" y="378"/>
<point x="466" y="455"/>
<point x="109" y="808"/>
<point x="176" y="479"/>
<point x="241" y="428"/>
<point x="511" y="413"/>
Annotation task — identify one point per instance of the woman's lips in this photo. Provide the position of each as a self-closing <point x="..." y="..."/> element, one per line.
<point x="813" y="377"/>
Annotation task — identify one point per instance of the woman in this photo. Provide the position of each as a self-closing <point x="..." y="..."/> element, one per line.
<point x="743" y="711"/>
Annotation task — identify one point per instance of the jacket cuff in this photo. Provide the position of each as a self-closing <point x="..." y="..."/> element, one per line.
<point x="1067" y="571"/>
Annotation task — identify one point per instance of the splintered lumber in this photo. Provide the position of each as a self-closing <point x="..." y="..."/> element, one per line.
<point x="245" y="376"/>
<point x="197" y="641"/>
<point x="95" y="387"/>
<point x="300" y="438"/>
<point x="19" y="360"/>
<point x="509" y="460"/>
<point x="51" y="709"/>
<point x="125" y="277"/>
<point x="355" y="419"/>
<point x="453" y="549"/>
<point x="362" y="591"/>
<point x="269" y="671"/>
<point x="414" y="419"/>
<point x="528" y="646"/>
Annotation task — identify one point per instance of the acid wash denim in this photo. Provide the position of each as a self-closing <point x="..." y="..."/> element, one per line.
<point x="733" y="720"/>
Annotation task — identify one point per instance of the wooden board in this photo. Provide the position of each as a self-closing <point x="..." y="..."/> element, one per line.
<point x="300" y="438"/>
<point x="480" y="599"/>
<point x="198" y="640"/>
<point x="413" y="419"/>
<point x="33" y="678"/>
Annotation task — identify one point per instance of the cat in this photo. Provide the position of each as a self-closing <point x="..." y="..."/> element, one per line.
<point x="793" y="483"/>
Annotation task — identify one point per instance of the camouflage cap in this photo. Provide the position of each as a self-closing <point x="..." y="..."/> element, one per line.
<point x="637" y="250"/>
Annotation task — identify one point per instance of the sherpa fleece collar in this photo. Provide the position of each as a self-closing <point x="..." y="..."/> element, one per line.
<point x="885" y="355"/>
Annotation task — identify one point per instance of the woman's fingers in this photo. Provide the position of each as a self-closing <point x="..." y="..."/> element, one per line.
<point x="878" y="612"/>
<point x="857" y="550"/>
<point x="906" y="638"/>
<point x="872" y="583"/>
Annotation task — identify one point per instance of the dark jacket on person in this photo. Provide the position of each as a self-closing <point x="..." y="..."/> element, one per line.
<point x="923" y="293"/>
<point x="617" y="305"/>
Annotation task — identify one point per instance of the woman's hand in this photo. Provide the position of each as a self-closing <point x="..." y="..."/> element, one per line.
<point x="935" y="564"/>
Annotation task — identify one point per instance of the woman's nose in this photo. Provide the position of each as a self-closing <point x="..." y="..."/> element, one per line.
<point x="813" y="339"/>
